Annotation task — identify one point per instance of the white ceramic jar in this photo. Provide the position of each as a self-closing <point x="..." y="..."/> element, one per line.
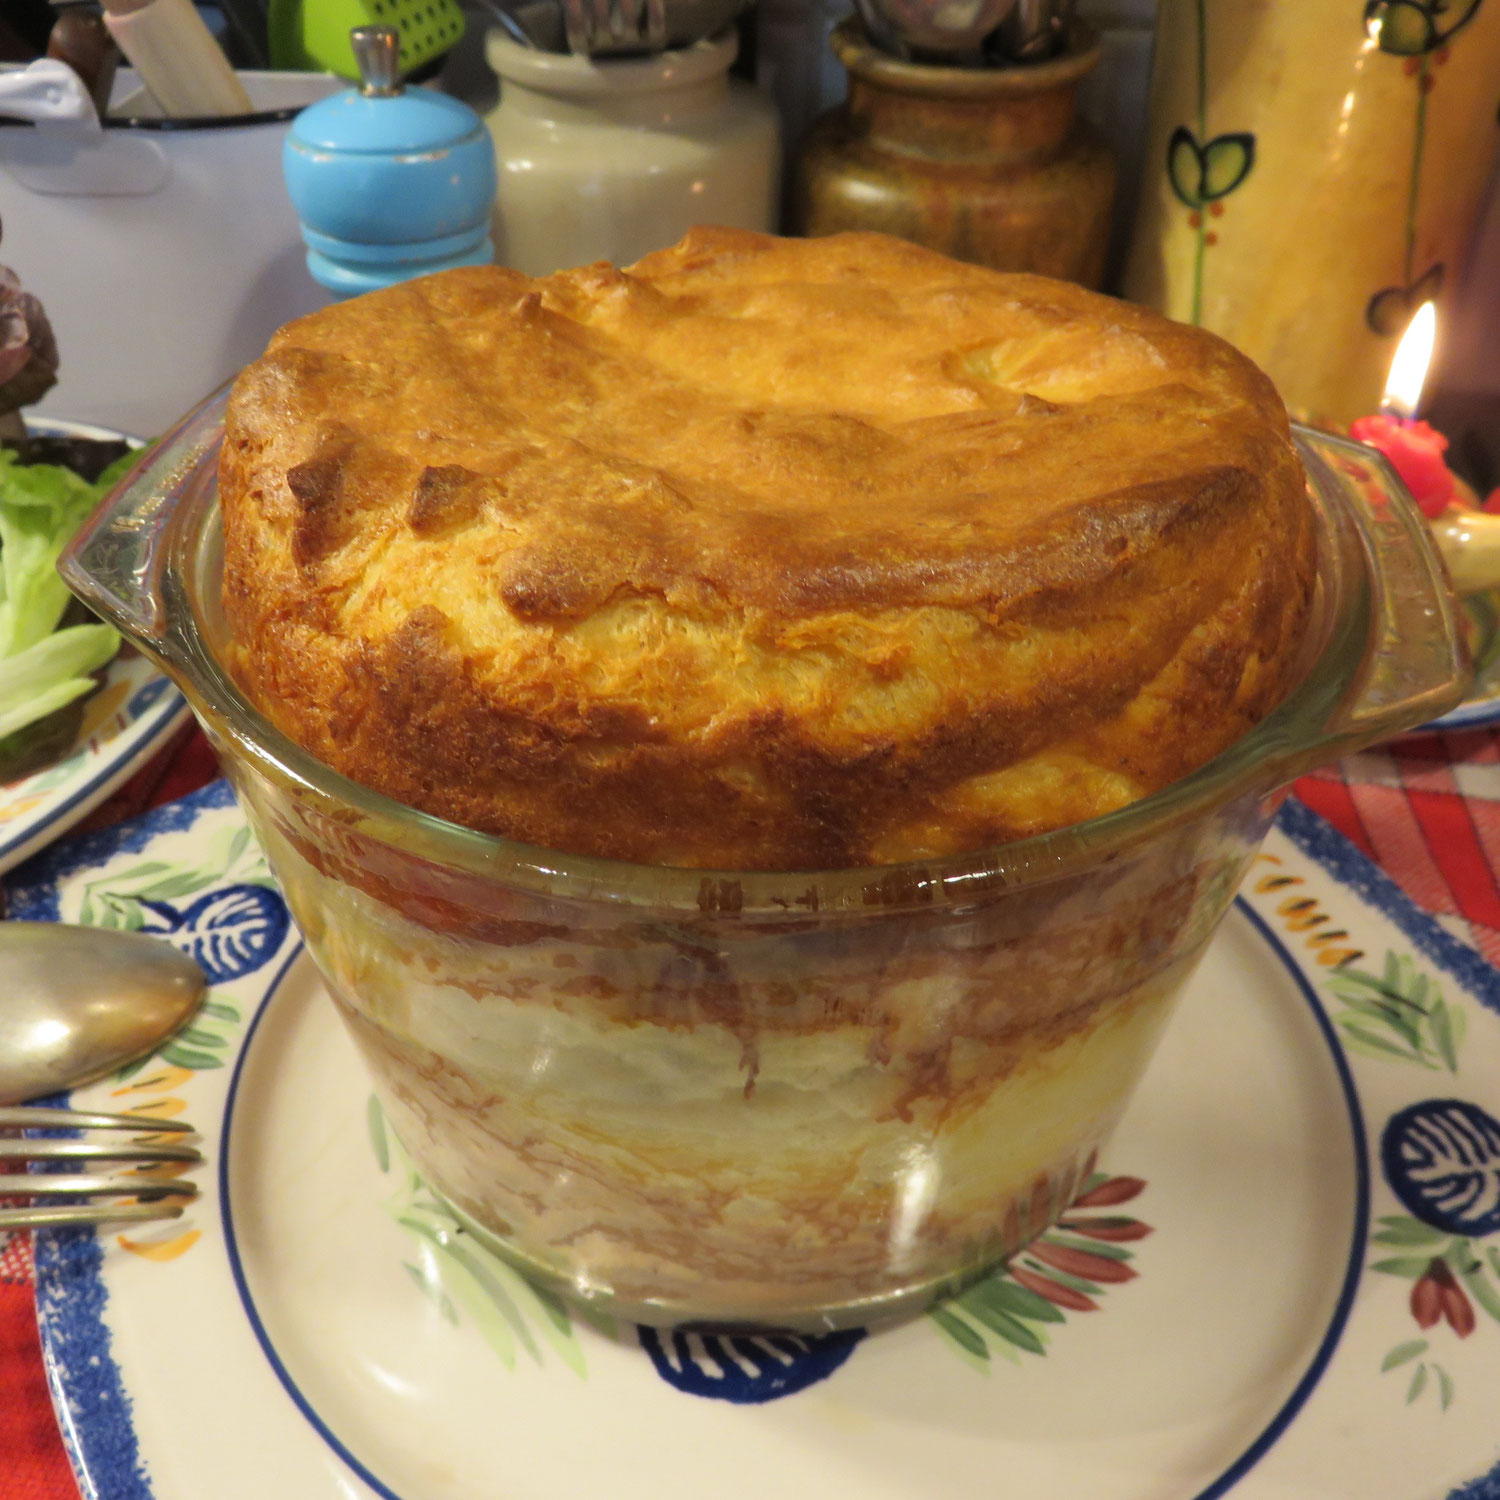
<point x="611" y="158"/>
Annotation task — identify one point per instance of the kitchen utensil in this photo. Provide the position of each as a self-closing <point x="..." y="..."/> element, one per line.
<point x="245" y="23"/>
<point x="540" y="23"/>
<point x="389" y="183"/>
<point x="177" y="57"/>
<point x="642" y="1084"/>
<point x="943" y="28"/>
<point x="506" y="20"/>
<point x="690" y="21"/>
<point x="1033" y="29"/>
<point x="80" y="38"/>
<point x="92" y="1197"/>
<point x="596" y="28"/>
<point x="879" y="31"/>
<point x="78" y="1002"/>
<point x="314" y="34"/>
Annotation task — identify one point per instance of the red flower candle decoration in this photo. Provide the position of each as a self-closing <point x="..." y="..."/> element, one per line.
<point x="1414" y="448"/>
<point x="1468" y="539"/>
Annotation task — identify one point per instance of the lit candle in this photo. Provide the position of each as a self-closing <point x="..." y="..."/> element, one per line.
<point x="1414" y="448"/>
<point x="1468" y="538"/>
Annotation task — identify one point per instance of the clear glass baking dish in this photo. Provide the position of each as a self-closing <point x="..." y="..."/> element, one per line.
<point x="805" y="1100"/>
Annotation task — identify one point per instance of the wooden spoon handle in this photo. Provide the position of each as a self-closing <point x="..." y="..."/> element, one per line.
<point x="177" y="57"/>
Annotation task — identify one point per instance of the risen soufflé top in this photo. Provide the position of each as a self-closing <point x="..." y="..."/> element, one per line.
<point x="761" y="554"/>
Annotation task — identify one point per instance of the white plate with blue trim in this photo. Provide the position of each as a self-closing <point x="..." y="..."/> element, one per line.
<point x="1286" y="1283"/>
<point x="132" y="714"/>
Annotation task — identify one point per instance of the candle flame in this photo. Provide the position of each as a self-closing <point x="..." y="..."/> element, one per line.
<point x="1403" y="387"/>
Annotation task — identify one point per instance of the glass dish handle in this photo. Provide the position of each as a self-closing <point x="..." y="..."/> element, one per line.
<point x="116" y="563"/>
<point x="1417" y="665"/>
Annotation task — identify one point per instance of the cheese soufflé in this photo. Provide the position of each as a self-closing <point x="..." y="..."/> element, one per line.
<point x="796" y="559"/>
<point x="762" y="554"/>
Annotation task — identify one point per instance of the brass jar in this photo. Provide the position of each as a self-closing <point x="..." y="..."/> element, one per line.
<point x="990" y="165"/>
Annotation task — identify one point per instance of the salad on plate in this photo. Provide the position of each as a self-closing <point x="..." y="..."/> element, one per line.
<point x="78" y="714"/>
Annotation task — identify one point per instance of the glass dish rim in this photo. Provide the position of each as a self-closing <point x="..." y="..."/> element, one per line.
<point x="1338" y="644"/>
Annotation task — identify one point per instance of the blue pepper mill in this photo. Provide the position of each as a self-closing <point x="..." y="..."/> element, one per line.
<point x="389" y="182"/>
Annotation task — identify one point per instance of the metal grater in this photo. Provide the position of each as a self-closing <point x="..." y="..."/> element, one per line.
<point x="314" y="34"/>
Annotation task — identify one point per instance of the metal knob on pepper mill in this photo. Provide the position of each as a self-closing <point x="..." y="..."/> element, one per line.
<point x="389" y="182"/>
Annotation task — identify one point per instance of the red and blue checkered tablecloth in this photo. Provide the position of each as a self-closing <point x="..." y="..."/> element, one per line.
<point x="1427" y="810"/>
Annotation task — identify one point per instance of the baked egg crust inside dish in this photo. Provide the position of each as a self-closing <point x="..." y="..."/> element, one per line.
<point x="762" y="553"/>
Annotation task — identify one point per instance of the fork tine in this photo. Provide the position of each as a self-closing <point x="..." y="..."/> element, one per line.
<point x="35" y="1117"/>
<point x="81" y="1214"/>
<point x="155" y="1197"/>
<point x="52" y="1185"/>
<point x="26" y="1149"/>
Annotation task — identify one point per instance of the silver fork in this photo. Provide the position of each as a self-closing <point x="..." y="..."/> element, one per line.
<point x="597" y="27"/>
<point x="92" y="1196"/>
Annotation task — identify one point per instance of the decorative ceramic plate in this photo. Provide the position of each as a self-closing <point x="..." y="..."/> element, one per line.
<point x="134" y="712"/>
<point x="1285" y="1284"/>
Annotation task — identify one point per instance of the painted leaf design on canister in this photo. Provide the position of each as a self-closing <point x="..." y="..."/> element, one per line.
<point x="1203" y="173"/>
<point x="1418" y="32"/>
<point x="229" y="932"/>
<point x="1390" y="310"/>
<point x="1412" y="28"/>
<point x="1442" y="1160"/>
<point x="746" y="1368"/>
<point x="1202" y="170"/>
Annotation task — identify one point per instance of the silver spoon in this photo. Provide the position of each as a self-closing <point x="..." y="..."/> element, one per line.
<point x="79" y="1002"/>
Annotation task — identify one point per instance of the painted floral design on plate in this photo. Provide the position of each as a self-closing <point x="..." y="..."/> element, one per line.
<point x="1011" y="1312"/>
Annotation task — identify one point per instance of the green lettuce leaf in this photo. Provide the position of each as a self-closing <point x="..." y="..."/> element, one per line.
<point x="42" y="669"/>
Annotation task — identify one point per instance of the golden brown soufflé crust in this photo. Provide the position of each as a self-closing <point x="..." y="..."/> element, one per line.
<point x="761" y="554"/>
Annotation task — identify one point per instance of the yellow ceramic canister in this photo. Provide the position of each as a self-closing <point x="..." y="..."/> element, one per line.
<point x="1313" y="174"/>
